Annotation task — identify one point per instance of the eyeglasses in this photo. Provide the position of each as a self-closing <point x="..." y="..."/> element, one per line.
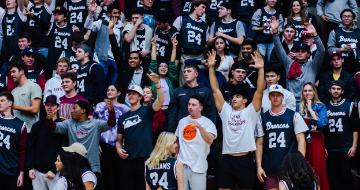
<point x="346" y="16"/>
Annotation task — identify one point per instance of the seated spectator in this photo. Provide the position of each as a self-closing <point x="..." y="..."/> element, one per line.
<point x="69" y="81"/>
<point x="109" y="159"/>
<point x="43" y="148"/>
<point x="337" y="73"/>
<point x="345" y="38"/>
<point x="138" y="36"/>
<point x="272" y="76"/>
<point x="301" y="70"/>
<point x="309" y="40"/>
<point x="296" y="173"/>
<point x="159" y="117"/>
<point x="24" y="41"/>
<point x="27" y="95"/>
<point x="196" y="133"/>
<point x="54" y="85"/>
<point x="221" y="47"/>
<point x="315" y="116"/>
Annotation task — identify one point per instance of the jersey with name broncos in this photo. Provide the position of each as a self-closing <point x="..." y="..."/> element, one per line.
<point x="44" y="13"/>
<point x="85" y="85"/>
<point x="193" y="34"/>
<point x="34" y="74"/>
<point x="164" y="43"/>
<point x="346" y="37"/>
<point x="164" y="175"/>
<point x="264" y="35"/>
<point x="77" y="12"/>
<point x="58" y="40"/>
<point x="231" y="29"/>
<point x="245" y="9"/>
<point x="10" y="133"/>
<point x="299" y="28"/>
<point x="279" y="138"/>
<point x="339" y="133"/>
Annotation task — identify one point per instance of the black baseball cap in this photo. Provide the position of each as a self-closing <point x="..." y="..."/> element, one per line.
<point x="239" y="65"/>
<point x="303" y="46"/>
<point x="337" y="83"/>
<point x="52" y="99"/>
<point x="61" y="10"/>
<point x="28" y="50"/>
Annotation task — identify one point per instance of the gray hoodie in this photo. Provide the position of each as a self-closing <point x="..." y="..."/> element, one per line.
<point x="333" y="42"/>
<point x="309" y="69"/>
<point x="333" y="9"/>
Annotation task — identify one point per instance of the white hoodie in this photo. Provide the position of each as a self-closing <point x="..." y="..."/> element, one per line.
<point x="53" y="87"/>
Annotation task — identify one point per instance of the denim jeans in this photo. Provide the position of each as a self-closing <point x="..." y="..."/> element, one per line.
<point x="248" y="30"/>
<point x="265" y="49"/>
<point x="44" y="51"/>
<point x="110" y="70"/>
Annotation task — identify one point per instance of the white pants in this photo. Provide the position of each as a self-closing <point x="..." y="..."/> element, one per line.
<point x="43" y="183"/>
<point x="192" y="180"/>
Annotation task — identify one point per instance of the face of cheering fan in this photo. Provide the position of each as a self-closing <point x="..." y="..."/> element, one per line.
<point x="238" y="101"/>
<point x="289" y="34"/>
<point x="23" y="43"/>
<point x="163" y="69"/>
<point x="4" y="104"/>
<point x="336" y="91"/>
<point x="173" y="148"/>
<point x="194" y="107"/>
<point x="59" y="18"/>
<point x="148" y="96"/>
<point x="10" y="4"/>
<point x="220" y="45"/>
<point x="200" y="10"/>
<point x="296" y="8"/>
<point x="59" y="165"/>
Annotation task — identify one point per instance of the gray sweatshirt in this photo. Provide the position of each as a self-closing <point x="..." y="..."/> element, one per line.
<point x="309" y="69"/>
<point x="333" y="9"/>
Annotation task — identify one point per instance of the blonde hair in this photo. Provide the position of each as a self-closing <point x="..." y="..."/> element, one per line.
<point x="162" y="149"/>
<point x="303" y="101"/>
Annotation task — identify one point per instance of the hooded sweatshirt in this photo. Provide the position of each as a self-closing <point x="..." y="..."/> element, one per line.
<point x="178" y="106"/>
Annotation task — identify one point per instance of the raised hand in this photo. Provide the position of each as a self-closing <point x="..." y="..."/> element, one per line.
<point x="174" y="42"/>
<point x="50" y="114"/>
<point x="194" y="123"/>
<point x="274" y="23"/>
<point x="109" y="104"/>
<point x="153" y="77"/>
<point x="310" y="29"/>
<point x="92" y="7"/>
<point x="112" y="23"/>
<point x="211" y="58"/>
<point x="259" y="62"/>
<point x="75" y="28"/>
<point x="139" y="21"/>
<point x="153" y="41"/>
<point x="28" y="13"/>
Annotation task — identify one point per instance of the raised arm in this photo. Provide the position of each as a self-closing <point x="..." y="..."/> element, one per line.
<point x="218" y="97"/>
<point x="153" y="48"/>
<point x="173" y="52"/>
<point x="279" y="50"/>
<point x="161" y="97"/>
<point x="43" y="24"/>
<point x="259" y="64"/>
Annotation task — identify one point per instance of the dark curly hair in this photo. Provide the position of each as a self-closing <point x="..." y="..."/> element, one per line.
<point x="297" y="173"/>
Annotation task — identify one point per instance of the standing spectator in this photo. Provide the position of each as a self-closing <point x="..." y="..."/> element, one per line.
<point x="77" y="12"/>
<point x="138" y="36"/>
<point x="177" y="108"/>
<point x="102" y="44"/>
<point x="244" y="10"/>
<point x="278" y="131"/>
<point x="58" y="32"/>
<point x="76" y="38"/>
<point x="230" y="29"/>
<point x="333" y="10"/>
<point x="196" y="133"/>
<point x="27" y="96"/>
<point x="185" y="6"/>
<point x="24" y="41"/>
<point x="193" y="33"/>
<point x="43" y="148"/>
<point x="86" y="132"/>
<point x="337" y="74"/>
<point x="54" y="85"/>
<point x="163" y="155"/>
<point x="263" y="31"/>
<point x="43" y="10"/>
<point x="101" y="12"/>
<point x="69" y="81"/>
<point x="341" y="136"/>
<point x="13" y="150"/>
<point x="149" y="11"/>
<point x="272" y="77"/>
<point x="35" y="74"/>
<point x="238" y="124"/>
<point x="297" y="17"/>
<point x="135" y="133"/>
<point x="90" y="78"/>
<point x="315" y="116"/>
<point x="109" y="159"/>
<point x="301" y="70"/>
<point x="297" y="173"/>
<point x="345" y="38"/>
<point x="164" y="34"/>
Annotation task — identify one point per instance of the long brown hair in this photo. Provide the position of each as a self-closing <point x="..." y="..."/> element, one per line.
<point x="303" y="16"/>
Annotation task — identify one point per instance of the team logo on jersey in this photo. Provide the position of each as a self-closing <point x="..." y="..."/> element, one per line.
<point x="269" y="126"/>
<point x="341" y="113"/>
<point x="131" y="121"/>
<point x="189" y="132"/>
<point x="343" y="39"/>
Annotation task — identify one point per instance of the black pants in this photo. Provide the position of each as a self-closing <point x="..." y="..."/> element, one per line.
<point x="100" y="183"/>
<point x="339" y="171"/>
<point x="110" y="167"/>
<point x="132" y="174"/>
<point x="8" y="182"/>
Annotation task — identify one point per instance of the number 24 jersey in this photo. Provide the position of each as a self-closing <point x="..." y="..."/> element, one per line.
<point x="164" y="175"/>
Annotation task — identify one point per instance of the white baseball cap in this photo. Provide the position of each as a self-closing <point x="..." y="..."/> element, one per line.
<point x="276" y="88"/>
<point x="76" y="147"/>
<point x="135" y="88"/>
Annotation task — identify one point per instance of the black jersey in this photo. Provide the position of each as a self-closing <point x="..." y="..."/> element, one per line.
<point x="164" y="175"/>
<point x="212" y="12"/>
<point x="299" y="28"/>
<point x="3" y="83"/>
<point x="12" y="26"/>
<point x="279" y="140"/>
<point x="58" y="41"/>
<point x="71" y="54"/>
<point x="103" y="14"/>
<point x="245" y="9"/>
<point x="228" y="28"/>
<point x="10" y="134"/>
<point x="339" y="132"/>
<point x="140" y="36"/>
<point x="185" y="7"/>
<point x="34" y="75"/>
<point x="44" y="13"/>
<point x="85" y="83"/>
<point x="264" y="36"/>
<point x="193" y="34"/>
<point x="164" y="43"/>
<point x="346" y="37"/>
<point x="77" y="12"/>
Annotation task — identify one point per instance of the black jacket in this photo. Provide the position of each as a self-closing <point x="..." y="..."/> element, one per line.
<point x="229" y="88"/>
<point x="346" y="78"/>
<point x="44" y="146"/>
<point x="125" y="71"/>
